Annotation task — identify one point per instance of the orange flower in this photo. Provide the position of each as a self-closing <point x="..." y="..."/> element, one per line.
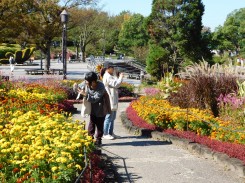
<point x="16" y="170"/>
<point x="35" y="166"/>
<point x="19" y="180"/>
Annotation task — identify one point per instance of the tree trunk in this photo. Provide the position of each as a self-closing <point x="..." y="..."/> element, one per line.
<point x="83" y="53"/>
<point x="48" y="57"/>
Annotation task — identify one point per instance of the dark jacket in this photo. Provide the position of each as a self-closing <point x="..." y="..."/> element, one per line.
<point x="97" y="99"/>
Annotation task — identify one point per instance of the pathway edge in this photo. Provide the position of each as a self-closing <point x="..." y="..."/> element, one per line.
<point x="232" y="164"/>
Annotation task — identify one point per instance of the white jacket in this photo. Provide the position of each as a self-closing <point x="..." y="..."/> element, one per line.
<point x="112" y="84"/>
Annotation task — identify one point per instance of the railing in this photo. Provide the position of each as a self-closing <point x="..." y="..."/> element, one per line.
<point x="87" y="165"/>
<point x="78" y="180"/>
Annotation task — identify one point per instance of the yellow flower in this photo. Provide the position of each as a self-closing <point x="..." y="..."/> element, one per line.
<point x="78" y="167"/>
<point x="54" y="168"/>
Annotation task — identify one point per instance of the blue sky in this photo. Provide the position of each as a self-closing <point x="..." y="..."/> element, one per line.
<point x="215" y="13"/>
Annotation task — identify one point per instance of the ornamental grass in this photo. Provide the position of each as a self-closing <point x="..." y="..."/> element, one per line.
<point x="39" y="141"/>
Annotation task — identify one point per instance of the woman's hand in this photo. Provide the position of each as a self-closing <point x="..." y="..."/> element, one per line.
<point x="82" y="92"/>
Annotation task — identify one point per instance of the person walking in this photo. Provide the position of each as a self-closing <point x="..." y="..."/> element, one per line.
<point x="112" y="83"/>
<point x="11" y="63"/>
<point x="96" y="95"/>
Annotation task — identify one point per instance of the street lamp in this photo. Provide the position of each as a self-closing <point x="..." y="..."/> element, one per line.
<point x="64" y="20"/>
<point x="103" y="45"/>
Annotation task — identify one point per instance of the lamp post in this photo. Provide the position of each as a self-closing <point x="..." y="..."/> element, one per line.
<point x="103" y="45"/>
<point x="64" y="20"/>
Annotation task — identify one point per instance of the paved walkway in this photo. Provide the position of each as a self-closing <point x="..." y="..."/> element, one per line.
<point x="139" y="159"/>
<point x="144" y="160"/>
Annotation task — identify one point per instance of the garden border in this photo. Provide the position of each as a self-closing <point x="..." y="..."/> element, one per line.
<point x="224" y="160"/>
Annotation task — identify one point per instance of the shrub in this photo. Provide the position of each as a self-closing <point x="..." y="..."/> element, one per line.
<point x="4" y="61"/>
<point x="4" y="50"/>
<point x="126" y="89"/>
<point x="206" y="84"/>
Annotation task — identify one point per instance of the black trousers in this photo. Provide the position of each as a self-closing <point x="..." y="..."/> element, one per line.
<point x="96" y="123"/>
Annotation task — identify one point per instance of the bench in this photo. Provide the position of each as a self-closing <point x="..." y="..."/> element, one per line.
<point x="133" y="76"/>
<point x="56" y="71"/>
<point x="35" y="71"/>
<point x="74" y="60"/>
<point x="42" y="71"/>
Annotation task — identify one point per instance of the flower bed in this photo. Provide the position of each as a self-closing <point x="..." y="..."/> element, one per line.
<point x="149" y="111"/>
<point x="39" y="141"/>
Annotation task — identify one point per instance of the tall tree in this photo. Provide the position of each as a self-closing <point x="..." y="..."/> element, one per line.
<point x="176" y="26"/>
<point x="90" y="26"/>
<point x="133" y="33"/>
<point x="231" y="36"/>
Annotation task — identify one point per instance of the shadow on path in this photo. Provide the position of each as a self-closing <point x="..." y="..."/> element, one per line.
<point x="143" y="142"/>
<point x="120" y="162"/>
<point x="123" y="177"/>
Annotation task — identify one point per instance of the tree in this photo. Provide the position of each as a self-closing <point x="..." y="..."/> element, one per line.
<point x="156" y="60"/>
<point x="231" y="36"/>
<point x="36" y="21"/>
<point x="133" y="33"/>
<point x="176" y="26"/>
<point x="88" y="26"/>
<point x="114" y="28"/>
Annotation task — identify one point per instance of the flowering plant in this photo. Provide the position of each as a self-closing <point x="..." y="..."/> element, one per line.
<point x="39" y="142"/>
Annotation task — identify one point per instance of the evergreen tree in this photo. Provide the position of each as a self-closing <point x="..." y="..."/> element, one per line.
<point x="176" y="26"/>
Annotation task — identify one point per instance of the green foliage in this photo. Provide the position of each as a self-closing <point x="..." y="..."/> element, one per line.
<point x="26" y="54"/>
<point x="18" y="56"/>
<point x="133" y="33"/>
<point x="168" y="85"/>
<point x="5" y="49"/>
<point x="8" y="54"/>
<point x="241" y="88"/>
<point x="155" y="60"/>
<point x="231" y="36"/>
<point x="176" y="27"/>
<point x="23" y="55"/>
<point x="4" y="61"/>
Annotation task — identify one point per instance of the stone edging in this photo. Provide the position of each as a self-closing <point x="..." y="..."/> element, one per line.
<point x="224" y="160"/>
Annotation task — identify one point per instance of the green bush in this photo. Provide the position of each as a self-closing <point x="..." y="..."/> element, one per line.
<point x="23" y="55"/>
<point x="4" y="50"/>
<point x="4" y="61"/>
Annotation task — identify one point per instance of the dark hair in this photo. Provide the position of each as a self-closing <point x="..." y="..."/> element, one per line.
<point x="102" y="72"/>
<point x="108" y="65"/>
<point x="91" y="76"/>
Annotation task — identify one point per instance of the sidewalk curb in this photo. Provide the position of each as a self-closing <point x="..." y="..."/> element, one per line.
<point x="229" y="164"/>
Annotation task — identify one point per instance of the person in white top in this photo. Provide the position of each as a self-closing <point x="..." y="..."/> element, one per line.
<point x="112" y="83"/>
<point x="11" y="63"/>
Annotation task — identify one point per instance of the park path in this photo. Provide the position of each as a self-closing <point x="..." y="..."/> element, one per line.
<point x="144" y="160"/>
